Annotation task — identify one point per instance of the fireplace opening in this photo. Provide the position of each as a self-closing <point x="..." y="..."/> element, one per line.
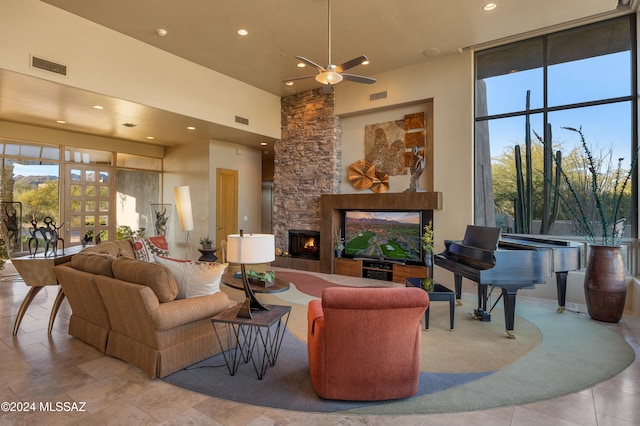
<point x="304" y="244"/>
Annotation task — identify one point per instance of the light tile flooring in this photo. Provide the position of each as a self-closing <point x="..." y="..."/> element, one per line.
<point x="39" y="368"/>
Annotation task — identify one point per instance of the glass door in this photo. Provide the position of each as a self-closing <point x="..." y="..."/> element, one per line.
<point x="89" y="203"/>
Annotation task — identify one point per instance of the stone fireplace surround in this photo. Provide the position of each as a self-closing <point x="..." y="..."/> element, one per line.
<point x="308" y="175"/>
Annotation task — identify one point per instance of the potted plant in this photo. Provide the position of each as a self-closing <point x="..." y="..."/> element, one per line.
<point x="595" y="212"/>
<point x="338" y="243"/>
<point x="263" y="279"/>
<point x="427" y="245"/>
<point x="206" y="242"/>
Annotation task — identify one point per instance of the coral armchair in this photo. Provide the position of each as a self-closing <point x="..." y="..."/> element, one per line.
<point x="364" y="343"/>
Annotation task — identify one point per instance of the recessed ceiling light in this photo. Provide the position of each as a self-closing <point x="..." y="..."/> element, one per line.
<point x="162" y="32"/>
<point x="489" y="6"/>
<point x="365" y="62"/>
<point x="97" y="107"/>
<point x="191" y="128"/>
<point x="61" y="122"/>
<point x="242" y="32"/>
<point x="301" y="65"/>
<point x="263" y="144"/>
<point x="150" y="137"/>
<point x="289" y="83"/>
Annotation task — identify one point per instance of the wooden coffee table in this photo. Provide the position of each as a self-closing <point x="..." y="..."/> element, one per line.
<point x="236" y="282"/>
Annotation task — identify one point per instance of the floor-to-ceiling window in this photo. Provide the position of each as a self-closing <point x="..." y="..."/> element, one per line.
<point x="535" y="97"/>
<point x="81" y="192"/>
<point x="29" y="187"/>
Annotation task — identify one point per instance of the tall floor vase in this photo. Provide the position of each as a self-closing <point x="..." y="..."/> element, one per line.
<point x="605" y="286"/>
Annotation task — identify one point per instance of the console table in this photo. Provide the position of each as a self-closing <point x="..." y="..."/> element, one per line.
<point x="252" y="339"/>
<point x="37" y="272"/>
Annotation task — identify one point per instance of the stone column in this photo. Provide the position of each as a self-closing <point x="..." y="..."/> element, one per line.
<point x="307" y="162"/>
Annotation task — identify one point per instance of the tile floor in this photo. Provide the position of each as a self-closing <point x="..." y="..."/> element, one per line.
<point x="39" y="368"/>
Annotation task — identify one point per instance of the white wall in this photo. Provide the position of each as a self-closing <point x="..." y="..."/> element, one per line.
<point x="248" y="162"/>
<point x="104" y="61"/>
<point x="449" y="81"/>
<point x="195" y="165"/>
<point x="353" y="144"/>
<point x="187" y="165"/>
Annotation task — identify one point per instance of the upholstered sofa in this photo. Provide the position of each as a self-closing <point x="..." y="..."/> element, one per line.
<point x="127" y="308"/>
<point x="364" y="343"/>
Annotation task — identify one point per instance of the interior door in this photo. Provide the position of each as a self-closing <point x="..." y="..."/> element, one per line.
<point x="226" y="204"/>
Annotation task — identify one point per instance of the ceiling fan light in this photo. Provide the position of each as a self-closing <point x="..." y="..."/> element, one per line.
<point x="329" y="77"/>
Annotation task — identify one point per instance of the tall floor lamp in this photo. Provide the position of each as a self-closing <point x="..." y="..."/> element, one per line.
<point x="247" y="250"/>
<point x="185" y="216"/>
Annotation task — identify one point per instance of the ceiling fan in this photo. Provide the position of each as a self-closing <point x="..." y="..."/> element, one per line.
<point x="333" y="74"/>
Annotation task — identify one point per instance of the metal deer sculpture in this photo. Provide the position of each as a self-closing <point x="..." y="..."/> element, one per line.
<point x="161" y="222"/>
<point x="49" y="233"/>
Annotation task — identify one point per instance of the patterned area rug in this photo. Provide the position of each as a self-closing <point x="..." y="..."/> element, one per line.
<point x="464" y="369"/>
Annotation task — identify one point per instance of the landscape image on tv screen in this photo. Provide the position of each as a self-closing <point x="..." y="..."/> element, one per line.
<point x="383" y="235"/>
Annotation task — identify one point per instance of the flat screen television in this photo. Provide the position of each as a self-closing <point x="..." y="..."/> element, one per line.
<point x="385" y="235"/>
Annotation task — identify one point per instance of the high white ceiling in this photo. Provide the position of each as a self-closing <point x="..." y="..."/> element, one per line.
<point x="392" y="33"/>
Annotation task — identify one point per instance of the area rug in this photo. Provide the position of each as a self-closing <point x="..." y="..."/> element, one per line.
<point x="464" y="369"/>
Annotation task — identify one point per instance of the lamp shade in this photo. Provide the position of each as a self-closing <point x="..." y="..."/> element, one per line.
<point x="329" y="77"/>
<point x="183" y="206"/>
<point x="251" y="248"/>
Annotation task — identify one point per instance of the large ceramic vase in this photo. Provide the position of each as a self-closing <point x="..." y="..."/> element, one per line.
<point x="605" y="286"/>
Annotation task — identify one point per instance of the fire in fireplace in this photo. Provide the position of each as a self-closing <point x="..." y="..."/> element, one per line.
<point x="305" y="244"/>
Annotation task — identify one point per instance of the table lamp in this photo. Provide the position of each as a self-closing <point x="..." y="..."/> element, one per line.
<point x="247" y="250"/>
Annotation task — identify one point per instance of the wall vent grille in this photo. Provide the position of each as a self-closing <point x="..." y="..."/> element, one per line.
<point x="242" y="120"/>
<point x="45" y="65"/>
<point x="377" y="96"/>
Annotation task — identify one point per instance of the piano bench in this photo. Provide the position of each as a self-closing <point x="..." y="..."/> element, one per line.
<point x="439" y="293"/>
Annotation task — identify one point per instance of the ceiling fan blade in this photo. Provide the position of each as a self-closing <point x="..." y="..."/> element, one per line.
<point x="309" y="62"/>
<point x="359" y="78"/>
<point x="351" y="63"/>
<point x="299" y="78"/>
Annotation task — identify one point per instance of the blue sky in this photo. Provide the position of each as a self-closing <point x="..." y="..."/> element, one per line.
<point x="607" y="126"/>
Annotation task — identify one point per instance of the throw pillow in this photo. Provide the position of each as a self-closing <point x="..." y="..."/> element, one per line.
<point x="157" y="246"/>
<point x="146" y="248"/>
<point x="178" y="268"/>
<point x="140" y="249"/>
<point x="194" y="278"/>
<point x="203" y="278"/>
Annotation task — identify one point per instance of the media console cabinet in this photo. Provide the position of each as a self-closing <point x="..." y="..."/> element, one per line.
<point x="378" y="269"/>
<point x="332" y="207"/>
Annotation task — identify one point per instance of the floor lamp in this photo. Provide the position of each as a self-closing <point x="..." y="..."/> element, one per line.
<point x="183" y="206"/>
<point x="247" y="250"/>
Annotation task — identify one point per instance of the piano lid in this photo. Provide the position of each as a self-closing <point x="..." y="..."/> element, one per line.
<point x="476" y="249"/>
<point x="482" y="237"/>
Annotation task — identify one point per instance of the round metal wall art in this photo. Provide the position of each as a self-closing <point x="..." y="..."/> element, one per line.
<point x="361" y="174"/>
<point x="380" y="182"/>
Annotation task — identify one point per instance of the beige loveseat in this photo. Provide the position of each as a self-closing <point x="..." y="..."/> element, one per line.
<point x="126" y="308"/>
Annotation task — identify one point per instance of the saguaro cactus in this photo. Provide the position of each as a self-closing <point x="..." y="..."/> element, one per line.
<point x="523" y="204"/>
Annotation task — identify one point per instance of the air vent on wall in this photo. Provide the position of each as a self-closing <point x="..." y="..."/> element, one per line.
<point x="242" y="120"/>
<point x="43" y="64"/>
<point x="379" y="95"/>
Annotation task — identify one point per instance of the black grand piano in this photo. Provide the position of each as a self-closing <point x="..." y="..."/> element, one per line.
<point x="510" y="262"/>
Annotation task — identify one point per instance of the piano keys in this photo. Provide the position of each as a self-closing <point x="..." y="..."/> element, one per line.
<point x="509" y="262"/>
